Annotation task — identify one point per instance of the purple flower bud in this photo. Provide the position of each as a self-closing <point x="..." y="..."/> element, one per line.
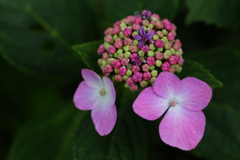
<point x="116" y="63"/>
<point x="116" y="30"/>
<point x="145" y="67"/>
<point x="118" y="78"/>
<point x="145" y="22"/>
<point x="170" y="36"/>
<point x="159" y="43"/>
<point x="124" y="62"/>
<point x="159" y="25"/>
<point x="111" y="49"/>
<point x="117" y="23"/>
<point x="118" y="44"/>
<point x="127" y="41"/>
<point x="146" y="14"/>
<point x="100" y="49"/>
<point x="134" y="49"/>
<point x="166" y="66"/>
<point x="105" y="56"/>
<point x="147" y="76"/>
<point x="159" y="55"/>
<point x="122" y="71"/>
<point x="155" y="17"/>
<point x="108" y="31"/>
<point x="135" y="68"/>
<point x="181" y="61"/>
<point x="108" y="38"/>
<point x="137" y="20"/>
<point x="136" y="26"/>
<point x="134" y="87"/>
<point x="151" y="61"/>
<point x="137" y="77"/>
<point x="127" y="32"/>
<point x="145" y="49"/>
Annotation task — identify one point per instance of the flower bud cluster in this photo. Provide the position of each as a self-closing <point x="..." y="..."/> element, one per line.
<point x="139" y="47"/>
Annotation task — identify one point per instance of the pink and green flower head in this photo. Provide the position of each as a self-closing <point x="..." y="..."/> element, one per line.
<point x="142" y="39"/>
<point x="182" y="101"/>
<point x="97" y="95"/>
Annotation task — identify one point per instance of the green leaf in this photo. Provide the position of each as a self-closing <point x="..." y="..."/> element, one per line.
<point x="37" y="35"/>
<point x="127" y="140"/>
<point x="195" y="69"/>
<point x="48" y="136"/>
<point x="221" y="140"/>
<point x="223" y="13"/>
<point x="88" y="53"/>
<point x="121" y="9"/>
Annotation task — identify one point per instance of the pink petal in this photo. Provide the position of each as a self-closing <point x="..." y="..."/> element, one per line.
<point x="182" y="128"/>
<point x="92" y="79"/>
<point x="86" y="97"/>
<point x="167" y="85"/>
<point x="104" y="116"/>
<point x="149" y="105"/>
<point x="110" y="90"/>
<point x="194" y="94"/>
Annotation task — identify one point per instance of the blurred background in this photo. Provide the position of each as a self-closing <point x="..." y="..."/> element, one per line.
<point x="40" y="72"/>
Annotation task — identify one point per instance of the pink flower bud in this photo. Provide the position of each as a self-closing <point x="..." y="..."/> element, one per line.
<point x="181" y="61"/>
<point x="151" y="41"/>
<point x="116" y="63"/>
<point x="168" y="26"/>
<point x="172" y="60"/>
<point x="159" y="25"/>
<point x="100" y="49"/>
<point x="109" y="68"/>
<point x="147" y="76"/>
<point x="146" y="13"/>
<point x="166" y="66"/>
<point x="166" y="21"/>
<point x="108" y="31"/>
<point x="151" y="61"/>
<point x="153" y="23"/>
<point x="159" y="43"/>
<point x="127" y="32"/>
<point x="134" y="57"/>
<point x="145" y="67"/>
<point x="108" y="38"/>
<point x="170" y="36"/>
<point x="172" y="70"/>
<point x="134" y="87"/>
<point x="118" y="78"/>
<point x="177" y="57"/>
<point x="160" y="34"/>
<point x="129" y="19"/>
<point x="137" y="77"/>
<point x="145" y="49"/>
<point x="137" y="20"/>
<point x="117" y="23"/>
<point x="118" y="44"/>
<point x="105" y="56"/>
<point x="136" y="26"/>
<point x="116" y="30"/>
<point x="177" y="45"/>
<point x="111" y="49"/>
<point x="122" y="71"/>
<point x="135" y="68"/>
<point x="127" y="41"/>
<point x="159" y="56"/>
<point x="155" y="17"/>
<point x="130" y="81"/>
<point x="134" y="49"/>
<point x="124" y="62"/>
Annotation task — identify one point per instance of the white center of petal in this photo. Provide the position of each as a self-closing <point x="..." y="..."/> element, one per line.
<point x="172" y="102"/>
<point x="102" y="92"/>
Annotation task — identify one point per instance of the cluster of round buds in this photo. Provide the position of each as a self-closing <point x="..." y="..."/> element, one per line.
<point x="138" y="48"/>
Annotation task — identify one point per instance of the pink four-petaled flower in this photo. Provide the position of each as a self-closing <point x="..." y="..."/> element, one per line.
<point x="183" y="124"/>
<point x="99" y="96"/>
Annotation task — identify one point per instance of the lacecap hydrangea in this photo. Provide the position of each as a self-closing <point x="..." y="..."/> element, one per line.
<point x="139" y="47"/>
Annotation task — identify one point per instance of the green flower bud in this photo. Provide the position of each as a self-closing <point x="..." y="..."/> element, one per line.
<point x="164" y="31"/>
<point x="140" y="53"/>
<point x="119" y="51"/>
<point x="106" y="45"/>
<point x="143" y="83"/>
<point x="134" y="33"/>
<point x="150" y="26"/>
<point x="152" y="47"/>
<point x="152" y="80"/>
<point x="129" y="72"/>
<point x="159" y="50"/>
<point x="126" y="48"/>
<point x="167" y="54"/>
<point x="154" y="73"/>
<point x="126" y="85"/>
<point x="110" y="55"/>
<point x="116" y="70"/>
<point x="121" y="35"/>
<point x="115" y="37"/>
<point x="152" y="67"/>
<point x="164" y="39"/>
<point x="151" y="53"/>
<point x="127" y="54"/>
<point x="99" y="62"/>
<point x="155" y="37"/>
<point x="135" y="42"/>
<point x="125" y="77"/>
<point x="123" y="24"/>
<point x="110" y="60"/>
<point x="158" y="63"/>
<point x="116" y="55"/>
<point x="173" y="50"/>
<point x="104" y="63"/>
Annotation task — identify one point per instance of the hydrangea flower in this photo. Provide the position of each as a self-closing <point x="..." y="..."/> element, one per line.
<point x="183" y="124"/>
<point x="99" y="96"/>
<point x="140" y="39"/>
